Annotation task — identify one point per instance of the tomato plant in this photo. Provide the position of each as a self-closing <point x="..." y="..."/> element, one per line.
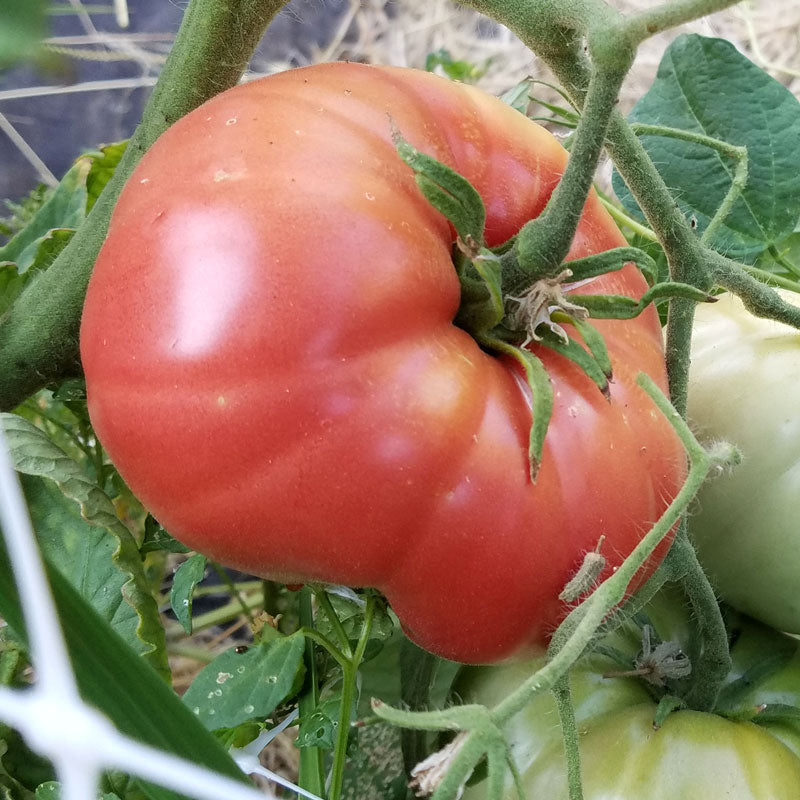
<point x="750" y="750"/>
<point x="743" y="388"/>
<point x="306" y="371"/>
<point x="272" y="364"/>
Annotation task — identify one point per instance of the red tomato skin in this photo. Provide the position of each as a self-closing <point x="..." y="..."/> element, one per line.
<point x="272" y="365"/>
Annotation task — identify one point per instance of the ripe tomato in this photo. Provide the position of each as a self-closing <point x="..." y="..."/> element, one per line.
<point x="743" y="388"/>
<point x="693" y="756"/>
<point x="272" y="365"/>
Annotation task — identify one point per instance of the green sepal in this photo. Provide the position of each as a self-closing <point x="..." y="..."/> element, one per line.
<point x="763" y="714"/>
<point x="446" y="190"/>
<point x="611" y="261"/>
<point x="733" y="694"/>
<point x="578" y="355"/>
<point x="667" y="704"/>
<point x="487" y="265"/>
<point x="563" y="116"/>
<point x="542" y="398"/>
<point x="518" y="96"/>
<point x="614" y="306"/>
<point x="593" y="340"/>
<point x="775" y="712"/>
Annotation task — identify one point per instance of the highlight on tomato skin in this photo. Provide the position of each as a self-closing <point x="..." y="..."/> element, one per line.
<point x="272" y="365"/>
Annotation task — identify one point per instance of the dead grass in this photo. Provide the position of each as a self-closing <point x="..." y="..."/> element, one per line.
<point x="403" y="32"/>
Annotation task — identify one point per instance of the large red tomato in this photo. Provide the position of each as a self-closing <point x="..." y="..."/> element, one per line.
<point x="272" y="365"/>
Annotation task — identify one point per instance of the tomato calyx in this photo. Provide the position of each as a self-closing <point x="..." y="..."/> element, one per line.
<point x="657" y="662"/>
<point x="511" y="298"/>
<point x="537" y="305"/>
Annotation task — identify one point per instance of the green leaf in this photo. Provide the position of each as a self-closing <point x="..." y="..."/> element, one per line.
<point x="38" y="257"/>
<point x="542" y="397"/>
<point x="12" y="660"/>
<point x="23" y="28"/>
<point x="65" y="208"/>
<point x="52" y="791"/>
<point x="318" y="729"/>
<point x="456" y="70"/>
<point x="76" y="546"/>
<point x="156" y="538"/>
<point x="104" y="162"/>
<point x="610" y="261"/>
<point x="10" y="787"/>
<point x="21" y="770"/>
<point x="518" y="96"/>
<point x="237" y="687"/>
<point x="706" y="86"/>
<point x="595" y="343"/>
<point x="186" y="578"/>
<point x="114" y="679"/>
<point x="72" y="389"/>
<point x="20" y="763"/>
<point x="84" y="555"/>
<point x="784" y="258"/>
<point x="350" y="611"/>
<point x="240" y="736"/>
<point x="23" y="211"/>
<point x="49" y="791"/>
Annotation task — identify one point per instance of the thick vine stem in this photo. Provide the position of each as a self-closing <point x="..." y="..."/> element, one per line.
<point x="709" y="651"/>
<point x="543" y="243"/>
<point x="39" y="334"/>
<point x="553" y="31"/>
<point x="759" y="299"/>
<point x="569" y="732"/>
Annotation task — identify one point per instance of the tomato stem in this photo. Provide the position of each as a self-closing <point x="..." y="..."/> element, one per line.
<point x="569" y="732"/>
<point x="349" y="683"/>
<point x="311" y="774"/>
<point x="735" y="152"/>
<point x="234" y="591"/>
<point x="709" y="652"/>
<point x="417" y="673"/>
<point x="543" y="243"/>
<point x="333" y="618"/>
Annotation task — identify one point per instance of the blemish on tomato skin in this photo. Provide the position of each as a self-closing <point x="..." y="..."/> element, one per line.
<point x="232" y="121"/>
<point x="224" y="175"/>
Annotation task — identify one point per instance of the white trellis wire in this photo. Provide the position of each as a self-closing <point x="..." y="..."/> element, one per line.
<point x="54" y="720"/>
